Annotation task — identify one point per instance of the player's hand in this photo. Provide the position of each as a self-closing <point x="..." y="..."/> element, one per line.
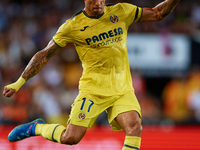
<point x="10" y="89"/>
<point x="8" y="92"/>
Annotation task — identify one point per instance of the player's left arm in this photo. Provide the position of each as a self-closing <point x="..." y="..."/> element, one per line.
<point x="159" y="12"/>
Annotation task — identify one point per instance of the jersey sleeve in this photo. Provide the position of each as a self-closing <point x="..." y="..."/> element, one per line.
<point x="133" y="12"/>
<point x="63" y="35"/>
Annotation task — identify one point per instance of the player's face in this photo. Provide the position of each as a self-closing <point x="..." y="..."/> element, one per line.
<point x="94" y="7"/>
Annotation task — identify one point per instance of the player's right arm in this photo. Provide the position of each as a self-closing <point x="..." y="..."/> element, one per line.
<point x="34" y="66"/>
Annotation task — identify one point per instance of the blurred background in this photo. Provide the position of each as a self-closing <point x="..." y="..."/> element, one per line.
<point x="164" y="60"/>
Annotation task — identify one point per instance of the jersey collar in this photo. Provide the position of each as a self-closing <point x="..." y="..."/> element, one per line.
<point x="97" y="17"/>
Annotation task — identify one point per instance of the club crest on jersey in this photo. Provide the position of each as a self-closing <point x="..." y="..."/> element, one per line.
<point x="81" y="116"/>
<point x="114" y="19"/>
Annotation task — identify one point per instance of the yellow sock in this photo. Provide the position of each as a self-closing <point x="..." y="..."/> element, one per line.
<point x="132" y="143"/>
<point x="51" y="132"/>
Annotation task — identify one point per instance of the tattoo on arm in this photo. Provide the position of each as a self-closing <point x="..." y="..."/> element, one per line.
<point x="53" y="51"/>
<point x="166" y="7"/>
<point x="39" y="60"/>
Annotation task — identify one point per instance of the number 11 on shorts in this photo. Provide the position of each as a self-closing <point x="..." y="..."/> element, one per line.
<point x="83" y="103"/>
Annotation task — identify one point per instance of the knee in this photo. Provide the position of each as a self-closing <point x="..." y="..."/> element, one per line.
<point x="134" y="129"/>
<point x="73" y="134"/>
<point x="69" y="140"/>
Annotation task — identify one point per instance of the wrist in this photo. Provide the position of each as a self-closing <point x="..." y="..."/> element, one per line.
<point x="17" y="85"/>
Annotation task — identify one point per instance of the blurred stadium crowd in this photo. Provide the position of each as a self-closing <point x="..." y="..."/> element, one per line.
<point x="27" y="26"/>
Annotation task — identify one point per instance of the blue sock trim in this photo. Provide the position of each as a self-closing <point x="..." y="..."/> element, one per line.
<point x="32" y="127"/>
<point x="131" y="147"/>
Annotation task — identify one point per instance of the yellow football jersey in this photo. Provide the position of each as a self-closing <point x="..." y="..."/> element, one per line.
<point x="101" y="45"/>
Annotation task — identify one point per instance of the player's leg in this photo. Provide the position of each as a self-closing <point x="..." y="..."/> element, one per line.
<point x="83" y="114"/>
<point x="70" y="135"/>
<point x="53" y="132"/>
<point x="131" y="124"/>
<point x="125" y="114"/>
